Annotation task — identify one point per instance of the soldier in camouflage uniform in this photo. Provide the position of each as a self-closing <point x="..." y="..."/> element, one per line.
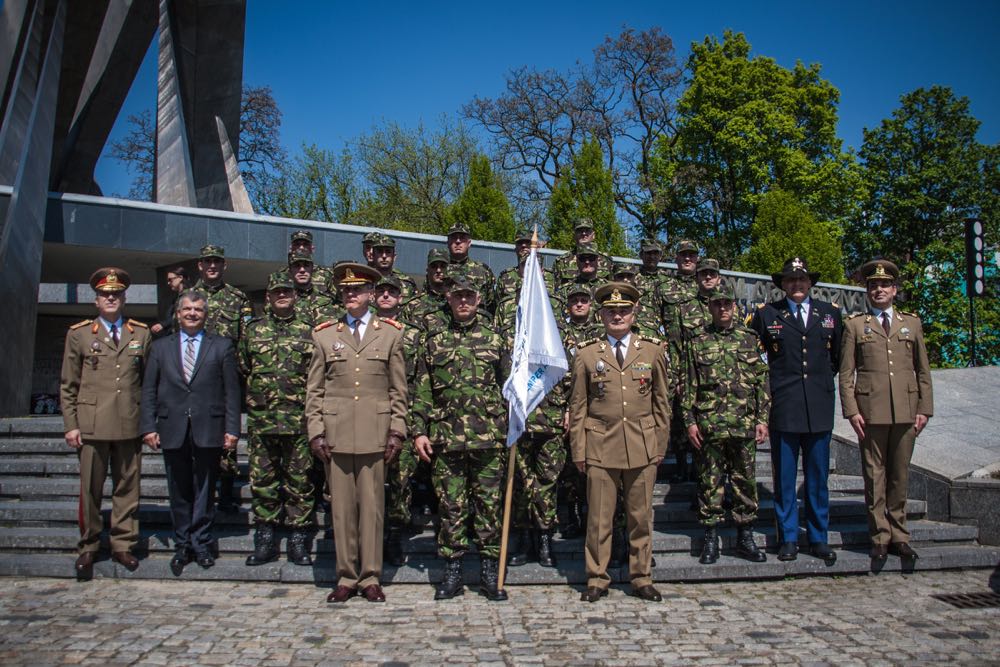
<point x="274" y="357"/>
<point x="459" y="417"/>
<point x="564" y="269"/>
<point x="429" y="311"/>
<point x="312" y="305"/>
<point x="383" y="257"/>
<point x="725" y="405"/>
<point x="649" y="280"/>
<point x="481" y="275"/>
<point x="400" y="472"/>
<point x="322" y="277"/>
<point x="509" y="287"/>
<point x="229" y="310"/>
<point x="587" y="273"/>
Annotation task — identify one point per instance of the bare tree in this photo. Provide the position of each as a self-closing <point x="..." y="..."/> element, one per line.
<point x="137" y="151"/>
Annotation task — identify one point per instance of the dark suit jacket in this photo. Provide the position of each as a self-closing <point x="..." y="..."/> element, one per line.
<point x="803" y="364"/>
<point x="211" y="401"/>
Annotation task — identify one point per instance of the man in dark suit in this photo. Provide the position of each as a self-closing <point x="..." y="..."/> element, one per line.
<point x="191" y="408"/>
<point x="801" y="336"/>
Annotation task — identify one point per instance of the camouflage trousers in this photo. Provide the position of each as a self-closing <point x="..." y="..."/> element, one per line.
<point x="539" y="461"/>
<point x="280" y="479"/>
<point x="470" y="483"/>
<point x="735" y="457"/>
<point x="400" y="492"/>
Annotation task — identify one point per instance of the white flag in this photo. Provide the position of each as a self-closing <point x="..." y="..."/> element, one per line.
<point x="538" y="360"/>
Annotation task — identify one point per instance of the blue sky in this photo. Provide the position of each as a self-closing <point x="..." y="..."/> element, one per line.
<point x="338" y="68"/>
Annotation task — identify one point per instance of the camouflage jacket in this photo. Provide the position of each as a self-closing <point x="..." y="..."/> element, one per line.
<point x="673" y="291"/>
<point x="482" y="276"/>
<point x="315" y="306"/>
<point x="428" y="312"/>
<point x="274" y="357"/>
<point x="412" y="337"/>
<point x="229" y="310"/>
<point x="726" y="389"/>
<point x="564" y="268"/>
<point x="509" y="292"/>
<point x="649" y="318"/>
<point x="458" y="402"/>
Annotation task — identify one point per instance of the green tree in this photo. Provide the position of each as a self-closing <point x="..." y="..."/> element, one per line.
<point x="483" y="206"/>
<point x="318" y="184"/>
<point x="747" y="125"/>
<point x="586" y="191"/>
<point x="786" y="228"/>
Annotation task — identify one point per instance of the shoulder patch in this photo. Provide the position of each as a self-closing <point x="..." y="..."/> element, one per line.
<point x="913" y="315"/>
<point x="137" y="323"/>
<point x="584" y="343"/>
<point x="392" y="322"/>
<point x="324" y="325"/>
<point x="80" y="324"/>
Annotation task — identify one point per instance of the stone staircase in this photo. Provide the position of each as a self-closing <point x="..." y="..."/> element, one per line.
<point x="38" y="530"/>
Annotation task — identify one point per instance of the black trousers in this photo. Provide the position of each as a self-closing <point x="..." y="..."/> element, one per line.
<point x="191" y="476"/>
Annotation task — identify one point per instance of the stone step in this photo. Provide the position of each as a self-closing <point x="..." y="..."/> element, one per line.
<point x="669" y="568"/>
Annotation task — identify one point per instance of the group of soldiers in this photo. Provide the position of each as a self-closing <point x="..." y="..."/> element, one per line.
<point x="430" y="387"/>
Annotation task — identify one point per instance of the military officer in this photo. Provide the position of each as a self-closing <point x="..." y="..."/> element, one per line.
<point x="383" y="257"/>
<point x="357" y="367"/>
<point x="229" y="310"/>
<point x="459" y="418"/>
<point x="619" y="422"/>
<point x="100" y="388"/>
<point x="801" y="337"/>
<point x="885" y="392"/>
<point x="274" y="357"/>
<point x="564" y="269"/>
<point x="459" y="241"/>
<point x="725" y="406"/>
<point x="321" y="278"/>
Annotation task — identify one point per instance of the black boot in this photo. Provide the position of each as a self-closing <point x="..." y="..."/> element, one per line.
<point x="265" y="549"/>
<point x="710" y="549"/>
<point x="298" y="547"/>
<point x="619" y="548"/>
<point x="489" y="576"/>
<point x="394" y="546"/>
<point x="520" y="548"/>
<point x="451" y="584"/>
<point x="746" y="547"/>
<point x="228" y="500"/>
<point x="574" y="521"/>
<point x="546" y="556"/>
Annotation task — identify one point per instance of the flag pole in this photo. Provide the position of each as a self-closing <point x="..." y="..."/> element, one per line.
<point x="508" y="494"/>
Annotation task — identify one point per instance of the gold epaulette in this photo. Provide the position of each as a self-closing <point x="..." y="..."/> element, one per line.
<point x="589" y="341"/>
<point x="853" y="315"/>
<point x="324" y="325"/>
<point x="389" y="320"/>
<point x="650" y="339"/>
<point x="760" y="305"/>
<point x="137" y="323"/>
<point x="913" y="315"/>
<point x="80" y="324"/>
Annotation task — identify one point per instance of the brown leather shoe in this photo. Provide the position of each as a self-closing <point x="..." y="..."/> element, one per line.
<point x="85" y="566"/>
<point x="647" y="593"/>
<point x="593" y="594"/>
<point x="130" y="562"/>
<point x="373" y="593"/>
<point x="903" y="550"/>
<point x="879" y="551"/>
<point x="341" y="594"/>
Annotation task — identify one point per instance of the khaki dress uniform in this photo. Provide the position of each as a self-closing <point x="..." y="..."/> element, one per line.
<point x="100" y="390"/>
<point x="355" y="395"/>
<point x="619" y="424"/>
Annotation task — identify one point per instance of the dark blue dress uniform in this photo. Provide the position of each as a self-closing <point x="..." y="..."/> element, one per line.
<point x="803" y="360"/>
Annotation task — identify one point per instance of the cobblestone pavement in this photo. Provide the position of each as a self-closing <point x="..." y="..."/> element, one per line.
<point x="866" y="620"/>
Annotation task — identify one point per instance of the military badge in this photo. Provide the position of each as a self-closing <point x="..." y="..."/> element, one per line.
<point x="828" y="322"/>
<point x="95" y="346"/>
<point x="905" y="331"/>
<point x="600" y="367"/>
<point x="338" y="346"/>
<point x="868" y="329"/>
<point x="644" y="386"/>
<point x="134" y="345"/>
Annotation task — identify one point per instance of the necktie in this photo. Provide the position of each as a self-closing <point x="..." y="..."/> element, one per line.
<point x="356" y="324"/>
<point x="802" y="316"/>
<point x="189" y="360"/>
<point x="618" y="354"/>
<point x="114" y="334"/>
<point x="885" y="323"/>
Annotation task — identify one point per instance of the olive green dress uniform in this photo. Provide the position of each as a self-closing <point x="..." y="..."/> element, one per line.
<point x="619" y="425"/>
<point x="355" y="394"/>
<point x="100" y="389"/>
<point x="886" y="379"/>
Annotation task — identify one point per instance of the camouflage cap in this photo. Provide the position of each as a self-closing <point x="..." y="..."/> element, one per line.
<point x="279" y="280"/>
<point x="722" y="292"/>
<point x="617" y="294"/>
<point x="212" y="250"/>
<point x="649" y="245"/>
<point x="384" y="241"/>
<point x="583" y="223"/>
<point x="460" y="282"/>
<point x="110" y="279"/>
<point x="625" y="269"/>
<point x="686" y="245"/>
<point x="707" y="264"/>
<point x="586" y="249"/>
<point x="390" y="280"/>
<point x="302" y="235"/>
<point x="370" y="238"/>
<point x="300" y="255"/>
<point x="523" y="233"/>
<point x="879" y="269"/>
<point x="435" y="255"/>
<point x="352" y="273"/>
<point x="576" y="289"/>
<point x="459" y="228"/>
